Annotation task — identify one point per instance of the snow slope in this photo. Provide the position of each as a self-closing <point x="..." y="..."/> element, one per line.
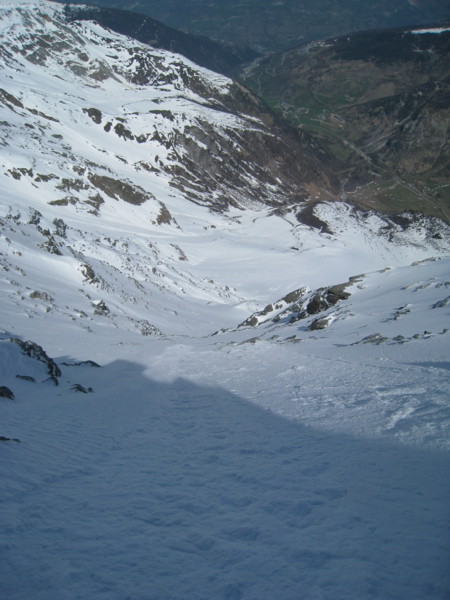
<point x="150" y="490"/>
<point x="212" y="433"/>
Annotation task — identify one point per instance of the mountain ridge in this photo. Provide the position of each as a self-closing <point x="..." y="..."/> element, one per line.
<point x="273" y="25"/>
<point x="201" y="50"/>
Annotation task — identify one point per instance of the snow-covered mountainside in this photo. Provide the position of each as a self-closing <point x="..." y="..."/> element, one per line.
<point x="216" y="381"/>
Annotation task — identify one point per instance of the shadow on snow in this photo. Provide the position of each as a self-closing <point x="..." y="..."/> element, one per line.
<point x="156" y="491"/>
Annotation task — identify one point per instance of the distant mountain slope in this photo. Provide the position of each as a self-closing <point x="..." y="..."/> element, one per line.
<point x="273" y="25"/>
<point x="380" y="103"/>
<point x="203" y="51"/>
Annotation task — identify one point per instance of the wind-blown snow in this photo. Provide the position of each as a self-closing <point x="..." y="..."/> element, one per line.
<point x="282" y="460"/>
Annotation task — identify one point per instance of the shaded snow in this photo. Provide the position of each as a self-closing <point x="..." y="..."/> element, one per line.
<point x="178" y="490"/>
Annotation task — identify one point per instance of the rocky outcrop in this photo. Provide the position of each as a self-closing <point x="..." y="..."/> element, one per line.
<point x="301" y="304"/>
<point x="5" y="392"/>
<point x="36" y="352"/>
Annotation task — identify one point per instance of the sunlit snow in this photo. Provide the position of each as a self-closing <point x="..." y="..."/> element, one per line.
<point x="430" y="30"/>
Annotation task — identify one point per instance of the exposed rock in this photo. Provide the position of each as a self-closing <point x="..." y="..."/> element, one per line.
<point x="100" y="308"/>
<point x="82" y="363"/>
<point x="79" y="388"/>
<point x="403" y="310"/>
<point x="118" y="189"/>
<point x="317" y="304"/>
<point x="442" y="303"/>
<point x="63" y="202"/>
<point x="293" y="339"/>
<point x="320" y="323"/>
<point x="44" y="177"/>
<point x="164" y="215"/>
<point x="123" y="132"/>
<point x="294" y="296"/>
<point x="9" y="98"/>
<point x="50" y="245"/>
<point x="95" y="201"/>
<point x="181" y="254"/>
<point x="26" y="378"/>
<point x="19" y="172"/>
<point x="399" y="339"/>
<point x="251" y="340"/>
<point x="88" y="273"/>
<point x="36" y="352"/>
<point x="94" y="113"/>
<point x="374" y="338"/>
<point x="250" y="322"/>
<point x="60" y="228"/>
<point x="35" y="217"/>
<point x="203" y="51"/>
<point x="326" y="298"/>
<point x="301" y="304"/>
<point x="5" y="392"/>
<point x="7" y="439"/>
<point x="307" y="217"/>
<point x="68" y="185"/>
<point x="36" y="295"/>
<point x="147" y="328"/>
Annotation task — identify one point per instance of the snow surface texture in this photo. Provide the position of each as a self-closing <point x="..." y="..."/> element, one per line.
<point x="247" y="434"/>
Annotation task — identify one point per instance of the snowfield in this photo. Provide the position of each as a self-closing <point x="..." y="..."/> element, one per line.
<point x="198" y="403"/>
